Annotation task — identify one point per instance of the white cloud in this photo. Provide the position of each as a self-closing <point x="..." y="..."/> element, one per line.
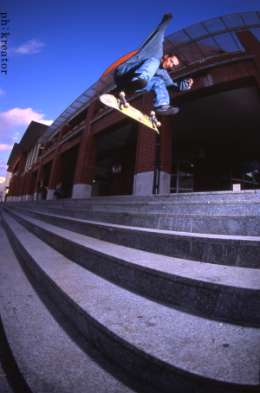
<point x="2" y="179"/>
<point x="29" y="47"/>
<point x="3" y="165"/>
<point x="22" y="116"/>
<point x="16" y="136"/>
<point x="5" y="147"/>
<point x="14" y="122"/>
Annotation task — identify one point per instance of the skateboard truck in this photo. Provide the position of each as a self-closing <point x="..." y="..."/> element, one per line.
<point x="154" y="119"/>
<point x="122" y="102"/>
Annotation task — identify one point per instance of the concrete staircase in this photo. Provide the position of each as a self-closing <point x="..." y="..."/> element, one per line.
<point x="146" y="294"/>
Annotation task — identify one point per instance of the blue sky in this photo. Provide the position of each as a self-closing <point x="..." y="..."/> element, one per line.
<point x="57" y="49"/>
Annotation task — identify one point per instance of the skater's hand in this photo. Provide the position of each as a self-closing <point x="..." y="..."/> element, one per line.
<point x="190" y="82"/>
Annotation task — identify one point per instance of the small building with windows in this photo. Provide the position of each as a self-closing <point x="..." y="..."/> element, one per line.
<point x="213" y="144"/>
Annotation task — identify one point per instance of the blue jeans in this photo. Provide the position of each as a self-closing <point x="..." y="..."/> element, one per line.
<point x="144" y="65"/>
<point x="146" y="70"/>
<point x="153" y="44"/>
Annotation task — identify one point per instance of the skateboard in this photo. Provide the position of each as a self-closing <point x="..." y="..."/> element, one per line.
<point x="121" y="105"/>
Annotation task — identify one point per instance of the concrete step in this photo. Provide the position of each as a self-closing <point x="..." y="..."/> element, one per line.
<point x="212" y="291"/>
<point x="185" y="208"/>
<point x="205" y="197"/>
<point x="189" y="196"/>
<point x="244" y="195"/>
<point x="210" y="209"/>
<point x="48" y="359"/>
<point x="11" y="379"/>
<point x="4" y="385"/>
<point x="226" y="225"/>
<point x="165" y="348"/>
<point x="243" y="251"/>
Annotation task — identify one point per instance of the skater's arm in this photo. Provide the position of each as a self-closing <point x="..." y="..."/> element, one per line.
<point x="182" y="85"/>
<point x="185" y="84"/>
<point x="167" y="79"/>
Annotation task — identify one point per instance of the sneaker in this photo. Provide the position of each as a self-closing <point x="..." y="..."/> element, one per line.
<point x="167" y="110"/>
<point x="166" y="17"/>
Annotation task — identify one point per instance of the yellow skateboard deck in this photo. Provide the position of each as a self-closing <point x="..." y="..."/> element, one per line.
<point x="130" y="111"/>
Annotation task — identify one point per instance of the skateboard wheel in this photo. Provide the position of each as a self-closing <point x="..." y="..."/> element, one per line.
<point x="122" y="100"/>
<point x="154" y="119"/>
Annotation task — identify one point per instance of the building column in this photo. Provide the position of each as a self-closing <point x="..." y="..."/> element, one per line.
<point x="145" y="161"/>
<point x="23" y="186"/>
<point x="55" y="176"/>
<point x="22" y="177"/>
<point x="12" y="186"/>
<point x="20" y="184"/>
<point x="30" y="186"/>
<point x="26" y="189"/>
<point x="165" y="155"/>
<point x="153" y="156"/>
<point x="15" y="189"/>
<point x="36" y="195"/>
<point x="86" y="161"/>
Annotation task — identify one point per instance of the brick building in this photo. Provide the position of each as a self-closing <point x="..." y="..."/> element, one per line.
<point x="211" y="145"/>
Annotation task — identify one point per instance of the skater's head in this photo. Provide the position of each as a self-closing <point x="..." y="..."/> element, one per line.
<point x="169" y="61"/>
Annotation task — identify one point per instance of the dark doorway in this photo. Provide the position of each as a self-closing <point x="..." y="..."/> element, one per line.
<point x="216" y="142"/>
<point x="115" y="160"/>
<point x="44" y="181"/>
<point x="68" y="166"/>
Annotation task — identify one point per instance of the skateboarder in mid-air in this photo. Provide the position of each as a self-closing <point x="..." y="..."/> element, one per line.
<point x="148" y="70"/>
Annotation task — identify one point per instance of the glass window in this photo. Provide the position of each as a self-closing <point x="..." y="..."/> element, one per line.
<point x="227" y="43"/>
<point x="209" y="47"/>
<point x="214" y="25"/>
<point x="233" y="20"/>
<point x="91" y="91"/>
<point x="69" y="110"/>
<point x="196" y="31"/>
<point x="178" y="38"/>
<point x="191" y="53"/>
<point x="256" y="32"/>
<point x="168" y="46"/>
<point x="240" y="46"/>
<point x="251" y="18"/>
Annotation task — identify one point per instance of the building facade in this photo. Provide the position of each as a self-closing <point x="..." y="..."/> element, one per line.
<point x="213" y="144"/>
